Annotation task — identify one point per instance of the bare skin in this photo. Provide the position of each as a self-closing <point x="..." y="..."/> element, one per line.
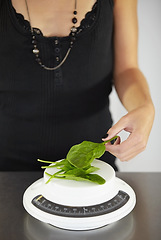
<point x="130" y="84"/>
<point x="54" y="19"/>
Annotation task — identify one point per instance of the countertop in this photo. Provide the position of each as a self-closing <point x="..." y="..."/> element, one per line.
<point x="144" y="222"/>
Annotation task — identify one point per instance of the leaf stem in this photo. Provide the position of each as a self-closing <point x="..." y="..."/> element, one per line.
<point x="39" y="160"/>
<point x="110" y="140"/>
<point x="53" y="176"/>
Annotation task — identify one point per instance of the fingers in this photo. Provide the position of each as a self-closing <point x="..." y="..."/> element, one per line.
<point x="117" y="128"/>
<point x="138" y="124"/>
<point x="113" y="141"/>
<point x="127" y="149"/>
<point x="118" y="141"/>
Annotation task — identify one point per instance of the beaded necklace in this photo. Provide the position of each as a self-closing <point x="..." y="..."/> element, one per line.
<point x="72" y="34"/>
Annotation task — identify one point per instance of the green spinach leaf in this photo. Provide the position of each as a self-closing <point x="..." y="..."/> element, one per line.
<point x="77" y="165"/>
<point x="83" y="154"/>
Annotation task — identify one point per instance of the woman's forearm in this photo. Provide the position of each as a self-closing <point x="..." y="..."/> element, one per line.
<point x="132" y="89"/>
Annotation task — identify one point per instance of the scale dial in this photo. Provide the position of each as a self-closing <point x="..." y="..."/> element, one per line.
<point x="110" y="206"/>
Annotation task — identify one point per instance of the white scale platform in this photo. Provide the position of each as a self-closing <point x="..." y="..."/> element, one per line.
<point x="81" y="205"/>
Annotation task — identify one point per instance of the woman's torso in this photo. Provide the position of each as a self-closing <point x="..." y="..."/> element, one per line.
<point x="43" y="113"/>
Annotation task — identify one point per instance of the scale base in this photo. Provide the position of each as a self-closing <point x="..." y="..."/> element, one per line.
<point x="75" y="205"/>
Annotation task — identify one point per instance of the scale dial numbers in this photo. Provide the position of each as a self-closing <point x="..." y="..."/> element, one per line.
<point x="110" y="206"/>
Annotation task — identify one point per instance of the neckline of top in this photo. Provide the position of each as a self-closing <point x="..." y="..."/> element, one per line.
<point x="40" y="35"/>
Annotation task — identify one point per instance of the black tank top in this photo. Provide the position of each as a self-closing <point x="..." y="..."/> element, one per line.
<point x="43" y="113"/>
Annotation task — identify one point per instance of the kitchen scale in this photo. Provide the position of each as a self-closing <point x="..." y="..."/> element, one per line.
<point x="80" y="205"/>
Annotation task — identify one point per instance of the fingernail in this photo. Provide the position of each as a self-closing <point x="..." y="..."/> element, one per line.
<point x="105" y="136"/>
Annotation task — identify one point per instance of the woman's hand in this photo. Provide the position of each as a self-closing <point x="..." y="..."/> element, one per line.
<point x="138" y="123"/>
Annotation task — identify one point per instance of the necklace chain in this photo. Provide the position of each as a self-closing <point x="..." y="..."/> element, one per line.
<point x="36" y="51"/>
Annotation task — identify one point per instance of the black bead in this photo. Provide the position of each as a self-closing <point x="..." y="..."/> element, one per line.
<point x="73" y="39"/>
<point x="71" y="44"/>
<point x="34" y="42"/>
<point x="38" y="60"/>
<point x="74" y="20"/>
<point x="75" y="12"/>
